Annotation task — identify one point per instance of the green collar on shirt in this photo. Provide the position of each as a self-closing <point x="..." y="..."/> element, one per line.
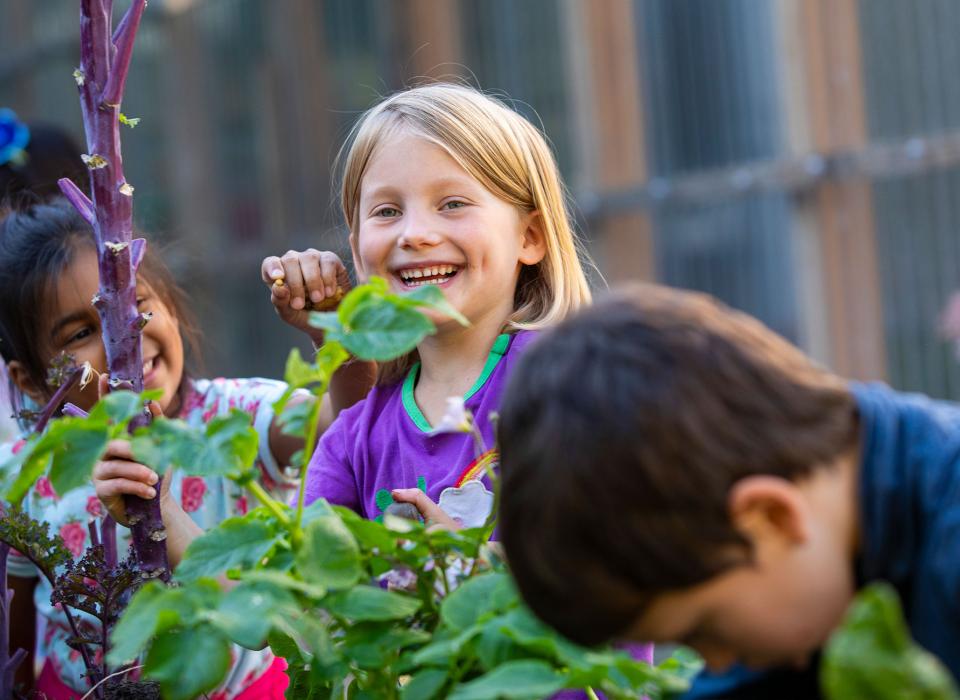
<point x="498" y="350"/>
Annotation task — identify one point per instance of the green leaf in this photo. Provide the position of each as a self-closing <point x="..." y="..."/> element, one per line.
<point x="235" y="543"/>
<point x="377" y="645"/>
<point x="381" y="330"/>
<point x="246" y="612"/>
<point x="227" y="446"/>
<point x="432" y="297"/>
<point x="76" y="448"/>
<point x="23" y="470"/>
<point x="330" y="556"/>
<point x="188" y="662"/>
<point x="375" y="287"/>
<point x="424" y="685"/>
<point x="120" y="407"/>
<point x="369" y="533"/>
<point x="873" y="656"/>
<point x="477" y="596"/>
<point x="369" y="603"/>
<point x="515" y="679"/>
<point x="284" y="580"/>
<point x="294" y="420"/>
<point x="155" y="609"/>
<point x="442" y="649"/>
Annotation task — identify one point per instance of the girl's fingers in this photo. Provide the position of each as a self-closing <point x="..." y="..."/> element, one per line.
<point x="271" y="269"/>
<point x="431" y="512"/>
<point x="293" y="278"/>
<point x="111" y="469"/>
<point x="329" y="267"/>
<point x="310" y="261"/>
<point x="118" y="449"/>
<point x="107" y="490"/>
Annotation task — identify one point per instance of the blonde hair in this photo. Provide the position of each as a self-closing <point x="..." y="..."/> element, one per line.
<point x="508" y="156"/>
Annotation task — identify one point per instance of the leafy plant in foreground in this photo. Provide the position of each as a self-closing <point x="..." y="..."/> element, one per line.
<point x="873" y="656"/>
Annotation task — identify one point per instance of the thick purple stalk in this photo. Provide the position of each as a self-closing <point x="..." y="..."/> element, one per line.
<point x="104" y="63"/>
<point x="8" y="663"/>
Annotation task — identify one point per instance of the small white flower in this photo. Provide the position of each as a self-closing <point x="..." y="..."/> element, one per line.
<point x="456" y="419"/>
<point x="86" y="375"/>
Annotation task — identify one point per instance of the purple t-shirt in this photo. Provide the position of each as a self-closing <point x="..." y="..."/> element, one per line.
<point x="384" y="443"/>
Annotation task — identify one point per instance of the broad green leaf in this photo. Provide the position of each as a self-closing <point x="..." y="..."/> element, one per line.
<point x="235" y="543"/>
<point x="330" y="556"/>
<point x="376" y="645"/>
<point x="247" y="611"/>
<point x="428" y="296"/>
<point x="228" y="445"/>
<point x="370" y="603"/>
<point x="873" y="656"/>
<point x="23" y="469"/>
<point x="282" y="644"/>
<point x="376" y="287"/>
<point x="515" y="679"/>
<point x="328" y="322"/>
<point x="284" y="580"/>
<point x="424" y="685"/>
<point x="188" y="662"/>
<point x="530" y="633"/>
<point x="120" y="407"/>
<point x="381" y="330"/>
<point x="441" y="650"/>
<point x="494" y="648"/>
<point x="295" y="419"/>
<point x="370" y="534"/>
<point x="476" y="597"/>
<point x="76" y="448"/>
<point x="155" y="609"/>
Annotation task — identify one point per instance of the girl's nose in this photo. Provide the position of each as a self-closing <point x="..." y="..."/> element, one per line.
<point x="417" y="233"/>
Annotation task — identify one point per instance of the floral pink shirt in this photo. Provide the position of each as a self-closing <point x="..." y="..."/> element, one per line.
<point x="208" y="500"/>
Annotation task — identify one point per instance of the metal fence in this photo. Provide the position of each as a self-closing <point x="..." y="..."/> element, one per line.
<point x="797" y="158"/>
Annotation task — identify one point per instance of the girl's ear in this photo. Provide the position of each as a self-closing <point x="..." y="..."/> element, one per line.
<point x="769" y="509"/>
<point x="357" y="264"/>
<point x="534" y="246"/>
<point x="20" y="377"/>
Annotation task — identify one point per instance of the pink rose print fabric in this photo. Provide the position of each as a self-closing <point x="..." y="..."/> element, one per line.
<point x="208" y="501"/>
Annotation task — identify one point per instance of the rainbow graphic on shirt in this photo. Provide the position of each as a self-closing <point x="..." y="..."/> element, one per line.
<point x="478" y="467"/>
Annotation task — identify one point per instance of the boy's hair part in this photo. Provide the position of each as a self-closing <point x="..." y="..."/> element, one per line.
<point x="505" y="153"/>
<point x="37" y="243"/>
<point x="622" y="431"/>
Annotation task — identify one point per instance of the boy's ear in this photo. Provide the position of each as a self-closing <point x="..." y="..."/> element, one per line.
<point x="764" y="507"/>
<point x="534" y="239"/>
<point x="20" y="376"/>
<point x="357" y="264"/>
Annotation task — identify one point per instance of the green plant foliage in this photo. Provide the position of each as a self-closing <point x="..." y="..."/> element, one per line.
<point x="873" y="656"/>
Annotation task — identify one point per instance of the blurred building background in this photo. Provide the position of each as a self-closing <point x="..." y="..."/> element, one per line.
<point x="799" y="159"/>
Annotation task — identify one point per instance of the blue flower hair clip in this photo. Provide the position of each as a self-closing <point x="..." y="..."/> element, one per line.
<point x="14" y="137"/>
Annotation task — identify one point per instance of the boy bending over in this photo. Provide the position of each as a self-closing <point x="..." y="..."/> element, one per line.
<point x="673" y="471"/>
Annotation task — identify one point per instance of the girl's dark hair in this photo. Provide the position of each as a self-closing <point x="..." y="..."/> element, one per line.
<point x="37" y="243"/>
<point x="621" y="433"/>
<point x="50" y="155"/>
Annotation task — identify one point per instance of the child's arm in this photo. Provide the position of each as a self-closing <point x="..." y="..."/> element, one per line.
<point x="118" y="475"/>
<point x="301" y="282"/>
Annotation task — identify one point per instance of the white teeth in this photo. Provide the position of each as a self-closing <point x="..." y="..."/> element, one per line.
<point x="413" y="274"/>
<point x="147" y="366"/>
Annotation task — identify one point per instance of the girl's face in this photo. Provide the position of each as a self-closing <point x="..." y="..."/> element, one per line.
<point x="424" y="220"/>
<point x="74" y="327"/>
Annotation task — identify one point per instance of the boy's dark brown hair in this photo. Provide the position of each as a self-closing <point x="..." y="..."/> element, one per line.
<point x="621" y="433"/>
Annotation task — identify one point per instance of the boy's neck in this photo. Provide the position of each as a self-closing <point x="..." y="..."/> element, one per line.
<point x="835" y="493"/>
<point x="450" y="363"/>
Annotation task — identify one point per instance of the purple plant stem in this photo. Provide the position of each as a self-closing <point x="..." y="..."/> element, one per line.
<point x="73" y="410"/>
<point x="8" y="663"/>
<point x="59" y="395"/>
<point x="104" y="64"/>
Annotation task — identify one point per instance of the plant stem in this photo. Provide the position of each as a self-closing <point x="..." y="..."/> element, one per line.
<point x="269" y="502"/>
<point x="591" y="694"/>
<point x="308" y="446"/>
<point x="59" y="395"/>
<point x="104" y="64"/>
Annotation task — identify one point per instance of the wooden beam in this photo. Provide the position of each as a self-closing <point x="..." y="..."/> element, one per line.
<point x="825" y="96"/>
<point x="609" y="128"/>
<point x="433" y="42"/>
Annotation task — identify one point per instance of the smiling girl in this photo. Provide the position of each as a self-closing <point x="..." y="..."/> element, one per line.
<point x="48" y="275"/>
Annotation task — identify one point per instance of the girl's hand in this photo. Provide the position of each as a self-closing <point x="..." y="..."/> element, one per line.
<point x="306" y="281"/>
<point x="118" y="475"/>
<point x="433" y="515"/>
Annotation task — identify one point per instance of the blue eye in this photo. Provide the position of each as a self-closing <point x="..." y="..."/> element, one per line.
<point x="387" y="212"/>
<point x="455" y="204"/>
